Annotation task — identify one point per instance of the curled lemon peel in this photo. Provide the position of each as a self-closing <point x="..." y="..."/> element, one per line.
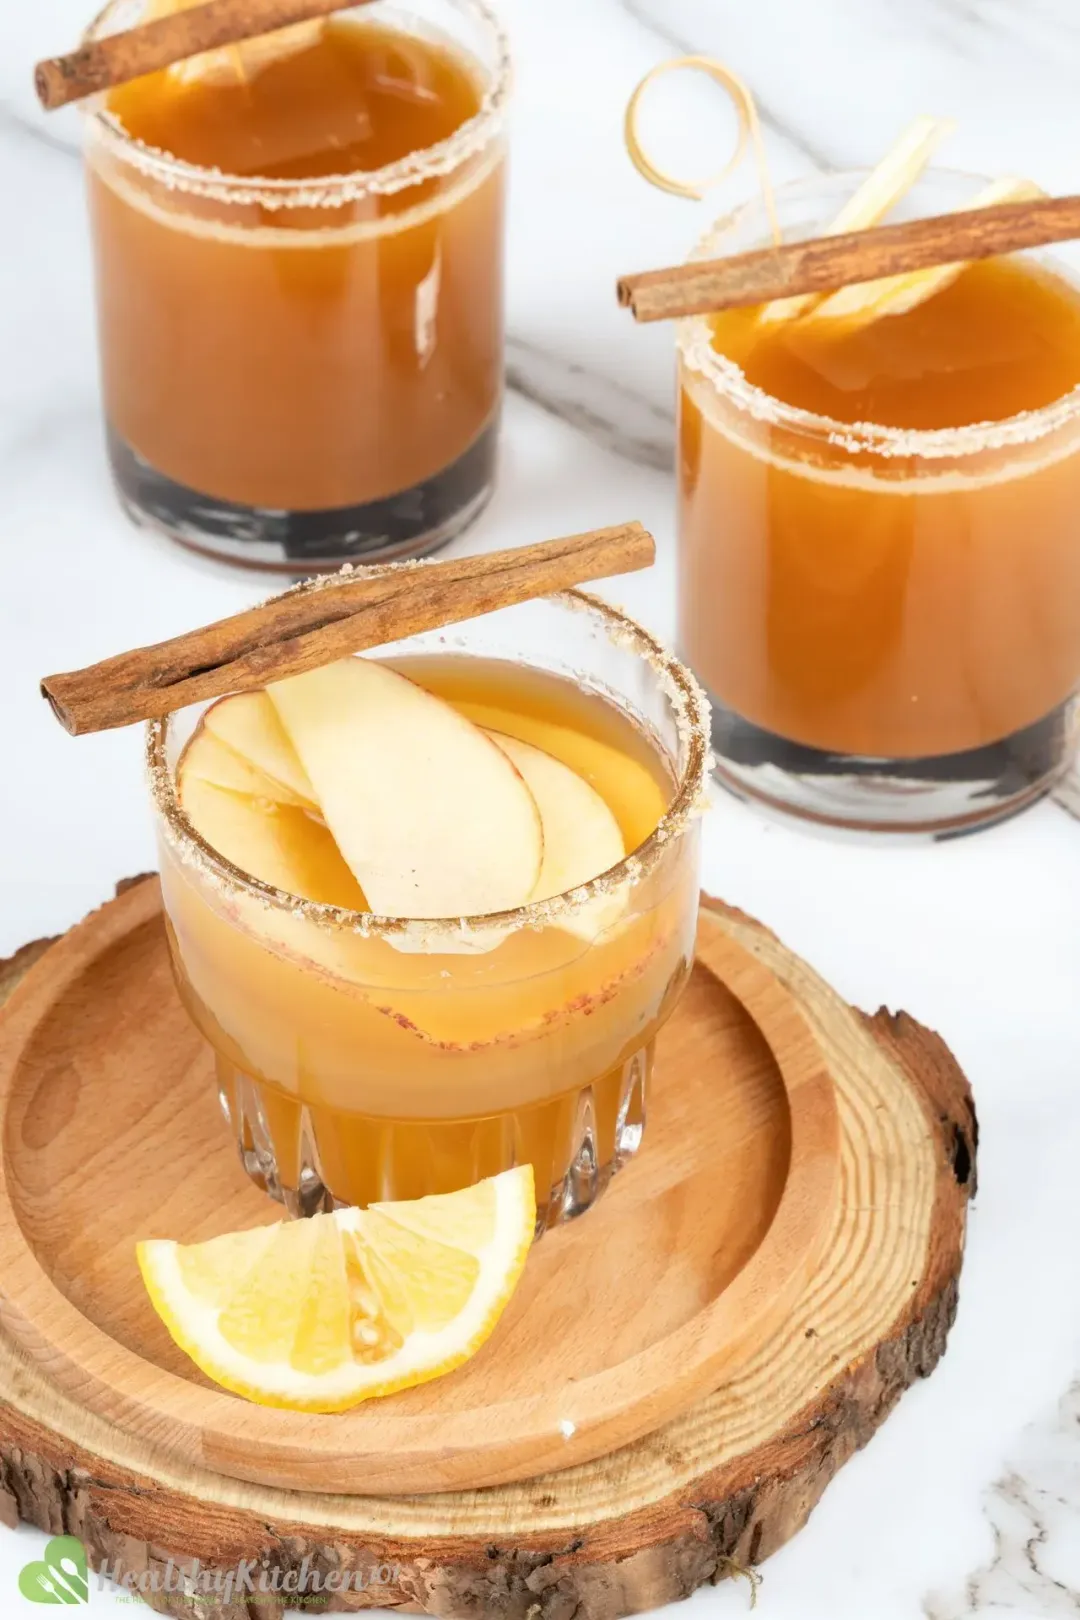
<point x="749" y="134"/>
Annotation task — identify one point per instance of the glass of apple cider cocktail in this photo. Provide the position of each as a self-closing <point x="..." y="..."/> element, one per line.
<point x="431" y="906"/>
<point x="879" y="517"/>
<point x="299" y="262"/>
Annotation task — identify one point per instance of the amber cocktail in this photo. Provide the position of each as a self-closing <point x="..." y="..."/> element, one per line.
<point x="365" y="1056"/>
<point x="880" y="540"/>
<point x="299" y="247"/>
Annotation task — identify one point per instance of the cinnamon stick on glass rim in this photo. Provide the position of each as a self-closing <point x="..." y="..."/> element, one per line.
<point x="118" y="58"/>
<point x="329" y="617"/>
<point x="827" y="263"/>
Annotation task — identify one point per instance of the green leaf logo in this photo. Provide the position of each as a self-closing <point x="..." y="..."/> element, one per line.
<point x="59" y="1577"/>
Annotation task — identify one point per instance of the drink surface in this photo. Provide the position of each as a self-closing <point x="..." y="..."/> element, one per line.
<point x="888" y="604"/>
<point x="342" y="97"/>
<point x="422" y="1070"/>
<point x="1002" y="339"/>
<point x="320" y="356"/>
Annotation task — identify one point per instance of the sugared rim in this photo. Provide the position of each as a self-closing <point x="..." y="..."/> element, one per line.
<point x="327" y="191"/>
<point x="691" y="712"/>
<point x="693" y="339"/>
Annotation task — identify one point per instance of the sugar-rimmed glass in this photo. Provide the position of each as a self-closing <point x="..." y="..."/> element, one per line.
<point x="361" y="1057"/>
<point x="301" y="373"/>
<point x="951" y="583"/>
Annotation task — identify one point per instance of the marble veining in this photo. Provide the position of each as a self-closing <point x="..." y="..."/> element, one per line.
<point x="624" y="423"/>
<point x="19" y="124"/>
<point x="1032" y="1511"/>
<point x="657" y="19"/>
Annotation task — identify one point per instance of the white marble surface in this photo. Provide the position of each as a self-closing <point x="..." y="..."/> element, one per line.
<point x="968" y="1501"/>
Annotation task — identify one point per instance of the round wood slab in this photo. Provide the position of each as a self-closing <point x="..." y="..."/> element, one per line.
<point x="835" y="1277"/>
<point x="112" y="1132"/>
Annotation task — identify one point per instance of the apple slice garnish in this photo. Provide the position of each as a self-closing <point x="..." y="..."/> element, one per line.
<point x="235" y="64"/>
<point x="279" y="845"/>
<point x="868" y="301"/>
<point x="208" y="759"/>
<point x="881" y="190"/>
<point x="430" y="815"/>
<point x="248" y="724"/>
<point x="582" y="839"/>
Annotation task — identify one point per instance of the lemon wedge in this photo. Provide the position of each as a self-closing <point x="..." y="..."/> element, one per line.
<point x="318" y="1315"/>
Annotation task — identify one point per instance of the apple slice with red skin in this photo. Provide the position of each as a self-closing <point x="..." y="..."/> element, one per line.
<point x="277" y="843"/>
<point x="248" y="723"/>
<point x="431" y="816"/>
<point x="582" y="839"/>
<point x="208" y="759"/>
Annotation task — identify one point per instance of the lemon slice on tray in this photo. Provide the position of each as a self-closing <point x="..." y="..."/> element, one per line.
<point x="320" y="1314"/>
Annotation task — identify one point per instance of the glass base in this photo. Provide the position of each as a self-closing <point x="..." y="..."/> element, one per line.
<point x="939" y="796"/>
<point x="314" y="1159"/>
<point x="412" y="523"/>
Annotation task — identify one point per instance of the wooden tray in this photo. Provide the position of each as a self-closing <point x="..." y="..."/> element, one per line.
<point x="868" y="1271"/>
<point x="112" y="1132"/>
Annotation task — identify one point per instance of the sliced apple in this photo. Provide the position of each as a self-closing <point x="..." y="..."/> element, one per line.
<point x="248" y="724"/>
<point x="431" y="817"/>
<point x="208" y="759"/>
<point x="281" y="846"/>
<point x="235" y="64"/>
<point x="582" y="839"/>
<point x="875" y="196"/>
<point x="894" y="295"/>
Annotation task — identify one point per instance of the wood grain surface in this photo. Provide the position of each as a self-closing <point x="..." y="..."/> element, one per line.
<point x="717" y="1487"/>
<point x="112" y="1133"/>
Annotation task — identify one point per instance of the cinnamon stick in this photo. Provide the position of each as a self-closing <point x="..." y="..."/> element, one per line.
<point x="117" y="58"/>
<point x="826" y="263"/>
<point x="328" y="618"/>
